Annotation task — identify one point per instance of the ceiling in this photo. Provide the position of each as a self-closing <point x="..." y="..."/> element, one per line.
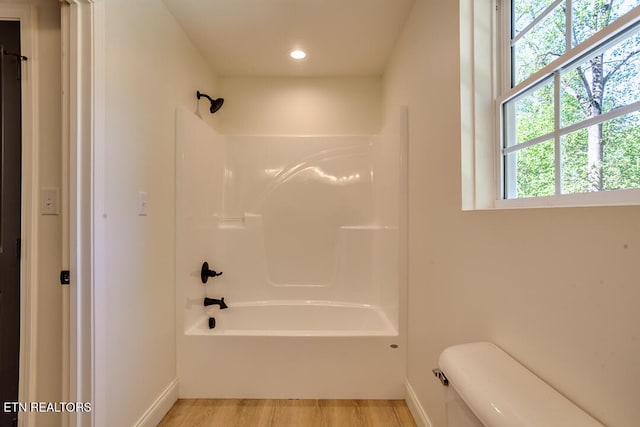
<point x="254" y="37"/>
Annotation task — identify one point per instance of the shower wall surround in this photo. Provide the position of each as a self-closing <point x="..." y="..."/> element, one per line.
<point x="309" y="243"/>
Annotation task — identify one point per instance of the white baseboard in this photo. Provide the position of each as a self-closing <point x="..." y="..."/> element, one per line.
<point x="160" y="407"/>
<point x="419" y="415"/>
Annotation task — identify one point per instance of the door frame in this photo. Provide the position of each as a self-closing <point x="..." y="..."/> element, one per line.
<point x="83" y="138"/>
<point x="26" y="15"/>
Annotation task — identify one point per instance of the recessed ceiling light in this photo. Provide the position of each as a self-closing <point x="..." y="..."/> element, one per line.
<point x="298" y="54"/>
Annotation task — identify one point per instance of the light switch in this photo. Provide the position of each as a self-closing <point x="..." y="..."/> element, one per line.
<point x="142" y="203"/>
<point x="49" y="201"/>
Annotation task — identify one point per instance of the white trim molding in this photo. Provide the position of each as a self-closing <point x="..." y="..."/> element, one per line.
<point x="82" y="34"/>
<point x="478" y="89"/>
<point x="160" y="407"/>
<point x="417" y="411"/>
<point x="64" y="206"/>
<point x="26" y="14"/>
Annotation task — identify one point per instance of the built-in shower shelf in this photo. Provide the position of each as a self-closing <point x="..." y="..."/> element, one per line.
<point x="237" y="222"/>
<point x="367" y="227"/>
<point x="231" y="222"/>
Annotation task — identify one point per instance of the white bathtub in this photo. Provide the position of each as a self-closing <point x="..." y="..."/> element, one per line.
<point x="295" y="318"/>
<point x="292" y="349"/>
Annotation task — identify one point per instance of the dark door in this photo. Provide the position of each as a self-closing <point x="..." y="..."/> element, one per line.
<point x="10" y="192"/>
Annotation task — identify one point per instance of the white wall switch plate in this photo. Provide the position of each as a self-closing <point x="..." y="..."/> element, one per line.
<point x="143" y="200"/>
<point x="50" y="201"/>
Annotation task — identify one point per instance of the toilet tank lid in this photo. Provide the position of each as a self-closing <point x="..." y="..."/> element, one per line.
<point x="503" y="393"/>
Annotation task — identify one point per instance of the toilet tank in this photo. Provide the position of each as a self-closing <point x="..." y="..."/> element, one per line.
<point x="489" y="388"/>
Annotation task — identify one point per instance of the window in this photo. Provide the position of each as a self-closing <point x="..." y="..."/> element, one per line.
<point x="569" y="113"/>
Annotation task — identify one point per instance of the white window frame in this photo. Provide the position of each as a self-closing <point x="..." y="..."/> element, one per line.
<point x="553" y="71"/>
<point x="481" y="92"/>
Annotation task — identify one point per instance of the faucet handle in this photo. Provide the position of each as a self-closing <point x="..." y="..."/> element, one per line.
<point x="205" y="273"/>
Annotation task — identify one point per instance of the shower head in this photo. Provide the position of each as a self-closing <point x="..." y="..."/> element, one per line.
<point x="215" y="103"/>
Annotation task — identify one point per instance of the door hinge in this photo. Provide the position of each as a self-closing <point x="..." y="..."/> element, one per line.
<point x="65" y="277"/>
<point x="18" y="248"/>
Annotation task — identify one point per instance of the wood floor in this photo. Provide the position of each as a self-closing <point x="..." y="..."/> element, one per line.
<point x="285" y="413"/>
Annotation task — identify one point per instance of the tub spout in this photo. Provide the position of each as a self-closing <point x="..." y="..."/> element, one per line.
<point x="214" y="301"/>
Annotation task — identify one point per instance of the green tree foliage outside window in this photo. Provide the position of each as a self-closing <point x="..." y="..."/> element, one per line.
<point x="604" y="155"/>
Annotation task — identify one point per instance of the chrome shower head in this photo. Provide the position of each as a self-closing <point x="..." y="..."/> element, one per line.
<point x="215" y="103"/>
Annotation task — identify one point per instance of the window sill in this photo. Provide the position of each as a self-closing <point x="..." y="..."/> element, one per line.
<point x="630" y="197"/>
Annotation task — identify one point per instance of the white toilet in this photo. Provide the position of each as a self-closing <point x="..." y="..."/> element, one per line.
<point x="488" y="388"/>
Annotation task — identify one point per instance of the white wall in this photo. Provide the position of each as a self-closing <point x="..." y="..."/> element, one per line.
<point x="49" y="378"/>
<point x="300" y="105"/>
<point x="48" y="386"/>
<point x="556" y="288"/>
<point x="151" y="68"/>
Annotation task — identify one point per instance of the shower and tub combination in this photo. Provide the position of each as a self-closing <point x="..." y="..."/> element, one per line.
<point x="310" y="233"/>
